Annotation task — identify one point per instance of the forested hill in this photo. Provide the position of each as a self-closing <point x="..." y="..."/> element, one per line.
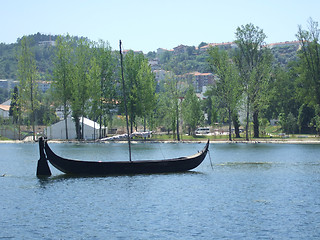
<point x="191" y="59"/>
<point x="43" y="49"/>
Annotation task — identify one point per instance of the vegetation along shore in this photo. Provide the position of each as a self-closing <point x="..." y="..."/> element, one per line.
<point x="246" y="90"/>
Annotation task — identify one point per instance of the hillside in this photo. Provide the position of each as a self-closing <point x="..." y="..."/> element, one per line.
<point x="42" y="46"/>
<point x="182" y="59"/>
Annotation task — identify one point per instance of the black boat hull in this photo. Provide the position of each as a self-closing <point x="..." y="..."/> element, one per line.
<point x="77" y="167"/>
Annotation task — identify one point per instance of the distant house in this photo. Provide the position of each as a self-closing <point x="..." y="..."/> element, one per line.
<point x="4" y="111"/>
<point x="91" y="130"/>
<point x="199" y="80"/>
<point x="44" y="86"/>
<point x="163" y="50"/>
<point x="9" y="84"/>
<point x="160" y="75"/>
<point x="224" y="45"/>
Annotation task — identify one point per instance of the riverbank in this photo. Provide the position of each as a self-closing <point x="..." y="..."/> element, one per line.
<point x="309" y="140"/>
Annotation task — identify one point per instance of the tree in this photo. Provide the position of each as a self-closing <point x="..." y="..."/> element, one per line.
<point x="80" y="85"/>
<point x="28" y="88"/>
<point x="62" y="75"/>
<point x="103" y="83"/>
<point x="14" y="110"/>
<point x="191" y="111"/>
<point x="309" y="70"/>
<point x="209" y="106"/>
<point x="227" y="89"/>
<point x="174" y="90"/>
<point x="140" y="88"/>
<point x="305" y="117"/>
<point x="108" y="81"/>
<point x="288" y="123"/>
<point x="254" y="65"/>
<point x="282" y="96"/>
<point x="163" y="111"/>
<point x="132" y="63"/>
<point x="95" y="110"/>
<point x="146" y="92"/>
<point x="47" y="111"/>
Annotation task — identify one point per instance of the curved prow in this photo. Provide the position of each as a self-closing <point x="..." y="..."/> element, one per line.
<point x="206" y="148"/>
<point x="43" y="169"/>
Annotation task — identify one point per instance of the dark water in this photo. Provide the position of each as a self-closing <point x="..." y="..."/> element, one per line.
<point x="250" y="191"/>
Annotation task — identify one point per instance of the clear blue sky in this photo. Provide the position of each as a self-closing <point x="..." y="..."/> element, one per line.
<point x="148" y="24"/>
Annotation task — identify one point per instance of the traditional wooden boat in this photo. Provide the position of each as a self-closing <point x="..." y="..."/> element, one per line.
<point x="100" y="168"/>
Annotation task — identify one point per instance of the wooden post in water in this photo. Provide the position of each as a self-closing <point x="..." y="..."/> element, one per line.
<point x="43" y="169"/>
<point x="125" y="101"/>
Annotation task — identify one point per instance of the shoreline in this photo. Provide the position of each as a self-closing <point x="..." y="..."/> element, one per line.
<point x="212" y="141"/>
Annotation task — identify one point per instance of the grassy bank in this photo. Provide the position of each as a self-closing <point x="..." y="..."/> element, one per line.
<point x="294" y="138"/>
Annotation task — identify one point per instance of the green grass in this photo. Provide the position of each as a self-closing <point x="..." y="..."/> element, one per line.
<point x="4" y="138"/>
<point x="166" y="137"/>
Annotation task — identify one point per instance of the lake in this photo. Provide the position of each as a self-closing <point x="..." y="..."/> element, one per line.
<point x="240" y="191"/>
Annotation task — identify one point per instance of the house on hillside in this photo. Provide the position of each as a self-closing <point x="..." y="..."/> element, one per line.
<point x="199" y="80"/>
<point x="91" y="130"/>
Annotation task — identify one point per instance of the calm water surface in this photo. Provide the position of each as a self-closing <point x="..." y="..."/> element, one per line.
<point x="246" y="191"/>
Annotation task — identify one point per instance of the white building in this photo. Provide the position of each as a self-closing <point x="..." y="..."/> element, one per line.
<point x="91" y="130"/>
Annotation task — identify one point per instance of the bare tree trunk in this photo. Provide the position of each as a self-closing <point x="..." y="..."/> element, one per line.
<point x="178" y="133"/>
<point x="255" y="124"/>
<point x="230" y="121"/>
<point x="32" y="111"/>
<point x="65" y="115"/>
<point x="100" y="128"/>
<point x="66" y="126"/>
<point x="236" y="124"/>
<point x="82" y="129"/>
<point x="247" y="124"/>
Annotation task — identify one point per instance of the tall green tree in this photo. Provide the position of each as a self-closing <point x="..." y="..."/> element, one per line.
<point x="95" y="110"/>
<point x="132" y="63"/>
<point x="209" y="106"/>
<point x="228" y="88"/>
<point x="282" y="95"/>
<point x="174" y="89"/>
<point x="146" y="92"/>
<point x="309" y="70"/>
<point x="163" y="112"/>
<point x="191" y="111"/>
<point x="283" y="102"/>
<point x="254" y="65"/>
<point x="104" y="94"/>
<point x="63" y="71"/>
<point x="81" y="85"/>
<point x="15" y="109"/>
<point x="140" y="88"/>
<point x="28" y="87"/>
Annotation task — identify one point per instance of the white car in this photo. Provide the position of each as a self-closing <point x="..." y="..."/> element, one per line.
<point x="202" y="131"/>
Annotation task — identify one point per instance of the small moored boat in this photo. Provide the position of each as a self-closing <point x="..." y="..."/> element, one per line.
<point x="100" y="168"/>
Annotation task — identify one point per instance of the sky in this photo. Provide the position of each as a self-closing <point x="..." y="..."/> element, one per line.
<point x="146" y="25"/>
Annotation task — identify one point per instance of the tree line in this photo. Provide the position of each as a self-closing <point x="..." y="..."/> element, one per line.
<point x="250" y="89"/>
<point x="250" y="82"/>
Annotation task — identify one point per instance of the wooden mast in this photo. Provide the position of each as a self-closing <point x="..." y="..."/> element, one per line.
<point x="125" y="101"/>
